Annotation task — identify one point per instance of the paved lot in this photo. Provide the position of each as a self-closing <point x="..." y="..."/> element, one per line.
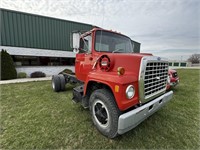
<point x="24" y="80"/>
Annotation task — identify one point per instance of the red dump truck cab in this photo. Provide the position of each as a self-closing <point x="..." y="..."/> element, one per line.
<point x="121" y="88"/>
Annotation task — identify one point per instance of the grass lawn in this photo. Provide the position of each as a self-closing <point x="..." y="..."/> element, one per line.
<point x="35" y="117"/>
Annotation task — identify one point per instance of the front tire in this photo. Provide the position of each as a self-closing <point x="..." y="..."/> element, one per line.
<point x="105" y="112"/>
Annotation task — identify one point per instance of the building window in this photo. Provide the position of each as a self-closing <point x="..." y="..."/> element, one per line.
<point x="176" y="64"/>
<point x="42" y="61"/>
<point x="183" y="64"/>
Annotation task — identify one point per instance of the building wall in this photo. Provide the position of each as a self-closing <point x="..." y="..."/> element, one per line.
<point x="48" y="70"/>
<point x="24" y="34"/>
<point x="33" y="31"/>
<point x="37" y="52"/>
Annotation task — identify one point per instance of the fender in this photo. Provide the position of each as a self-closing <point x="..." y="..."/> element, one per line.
<point x="111" y="79"/>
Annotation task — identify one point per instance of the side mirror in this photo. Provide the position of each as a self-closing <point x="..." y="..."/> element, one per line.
<point x="75" y="42"/>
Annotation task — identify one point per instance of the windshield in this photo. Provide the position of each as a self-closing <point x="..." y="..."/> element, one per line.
<point x="112" y="43"/>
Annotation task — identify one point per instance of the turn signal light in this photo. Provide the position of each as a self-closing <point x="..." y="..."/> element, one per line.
<point x="120" y="71"/>
<point x="116" y="88"/>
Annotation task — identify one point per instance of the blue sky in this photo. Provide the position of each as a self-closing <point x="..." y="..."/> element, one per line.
<point x="168" y="28"/>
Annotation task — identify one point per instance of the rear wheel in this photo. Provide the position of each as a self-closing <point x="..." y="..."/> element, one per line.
<point x="62" y="82"/>
<point x="55" y="82"/>
<point x="104" y="112"/>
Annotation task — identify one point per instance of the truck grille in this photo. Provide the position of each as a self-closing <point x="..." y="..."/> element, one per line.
<point x="155" y="78"/>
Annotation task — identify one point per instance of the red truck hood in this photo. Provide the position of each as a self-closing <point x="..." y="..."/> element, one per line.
<point x="130" y="62"/>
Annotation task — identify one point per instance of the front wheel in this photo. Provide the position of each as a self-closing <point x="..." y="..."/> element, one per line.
<point x="104" y="112"/>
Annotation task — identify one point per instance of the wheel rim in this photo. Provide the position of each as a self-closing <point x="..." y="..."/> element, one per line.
<point x="101" y="114"/>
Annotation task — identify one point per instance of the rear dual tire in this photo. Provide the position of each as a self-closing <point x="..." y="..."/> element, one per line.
<point x="62" y="82"/>
<point x="58" y="83"/>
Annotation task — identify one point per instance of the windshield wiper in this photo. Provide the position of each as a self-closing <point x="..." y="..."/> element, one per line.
<point x="116" y="50"/>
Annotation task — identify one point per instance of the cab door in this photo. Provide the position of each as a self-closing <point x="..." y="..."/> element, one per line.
<point x="83" y="63"/>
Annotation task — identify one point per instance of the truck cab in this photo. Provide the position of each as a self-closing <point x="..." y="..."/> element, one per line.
<point x="93" y="44"/>
<point x="121" y="88"/>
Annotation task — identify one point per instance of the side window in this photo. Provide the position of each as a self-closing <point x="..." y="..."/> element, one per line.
<point x="86" y="43"/>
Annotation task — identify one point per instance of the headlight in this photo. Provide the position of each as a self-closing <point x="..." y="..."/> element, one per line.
<point x="130" y="91"/>
<point x="168" y="79"/>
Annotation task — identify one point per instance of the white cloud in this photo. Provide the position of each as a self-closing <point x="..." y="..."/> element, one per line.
<point x="157" y="24"/>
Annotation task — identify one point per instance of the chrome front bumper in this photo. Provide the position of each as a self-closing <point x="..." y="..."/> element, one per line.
<point x="131" y="119"/>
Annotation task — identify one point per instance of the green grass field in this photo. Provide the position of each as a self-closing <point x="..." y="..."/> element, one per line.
<point x="35" y="117"/>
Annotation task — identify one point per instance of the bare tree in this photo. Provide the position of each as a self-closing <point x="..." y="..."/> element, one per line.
<point x="194" y="59"/>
